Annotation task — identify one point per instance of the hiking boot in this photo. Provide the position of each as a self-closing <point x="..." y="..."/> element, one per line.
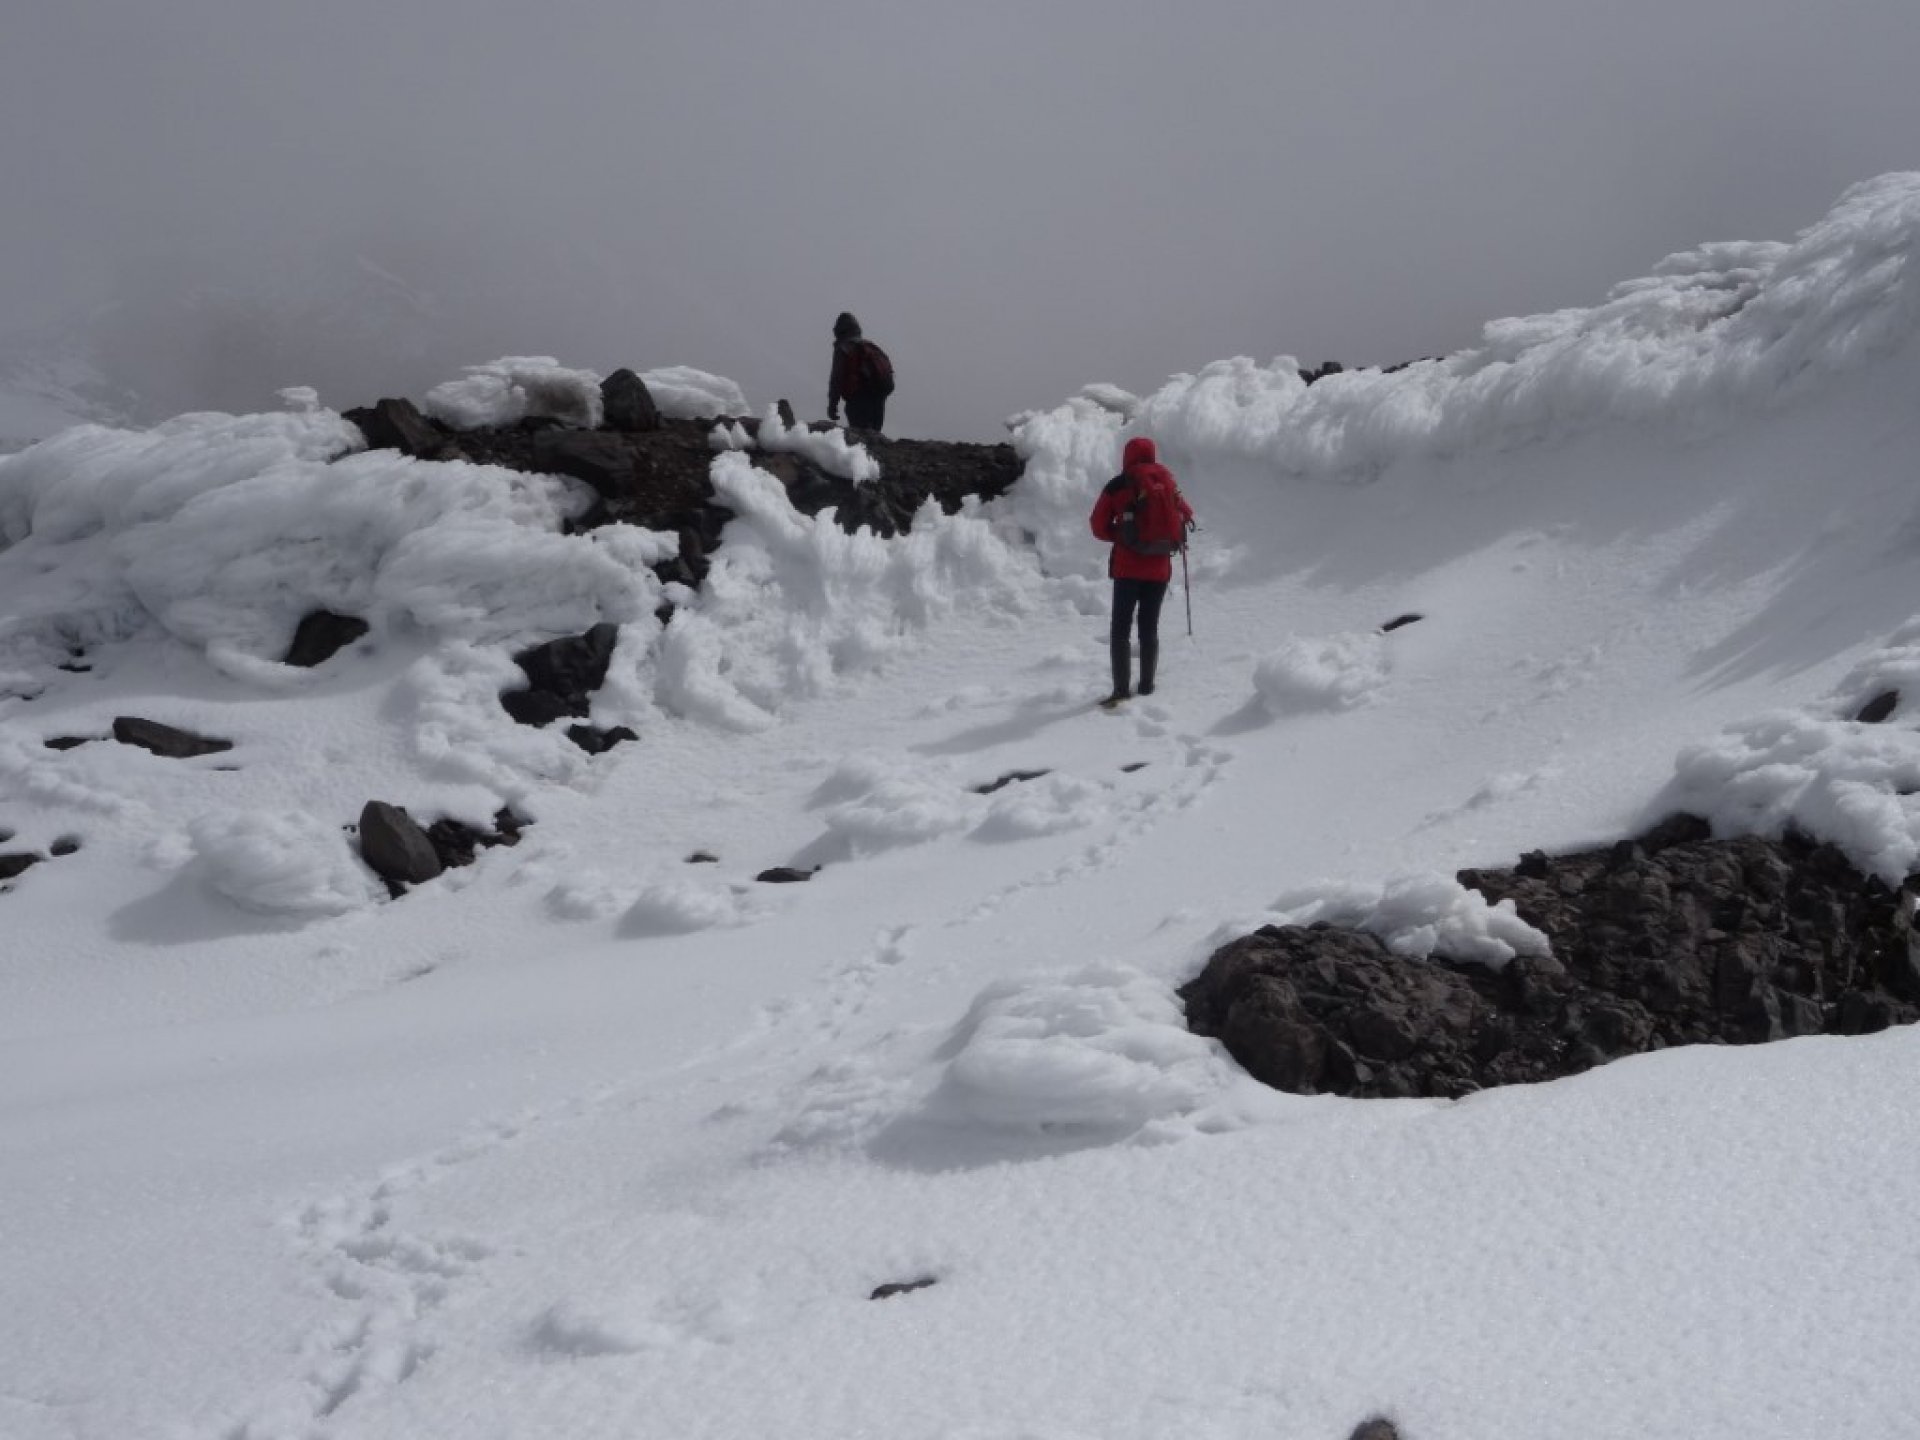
<point x="1113" y="701"/>
<point x="1146" y="687"/>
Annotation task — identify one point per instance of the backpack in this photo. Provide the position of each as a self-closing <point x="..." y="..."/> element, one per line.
<point x="874" y="369"/>
<point x="1151" y="523"/>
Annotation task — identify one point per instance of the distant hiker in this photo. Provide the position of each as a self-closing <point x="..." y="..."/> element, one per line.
<point x="1143" y="514"/>
<point x="862" y="376"/>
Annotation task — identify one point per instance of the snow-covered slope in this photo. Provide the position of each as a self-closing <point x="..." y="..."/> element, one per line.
<point x="590" y="1140"/>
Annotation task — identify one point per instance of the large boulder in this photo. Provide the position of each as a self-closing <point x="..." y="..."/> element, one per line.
<point x="626" y="404"/>
<point x="395" y="847"/>
<point x="1672" y="939"/>
<point x="398" y="425"/>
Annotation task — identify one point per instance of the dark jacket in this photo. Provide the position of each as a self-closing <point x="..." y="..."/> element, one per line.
<point x="1138" y="459"/>
<point x="844" y="381"/>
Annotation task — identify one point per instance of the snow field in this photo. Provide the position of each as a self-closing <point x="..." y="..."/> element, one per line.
<point x="590" y="1139"/>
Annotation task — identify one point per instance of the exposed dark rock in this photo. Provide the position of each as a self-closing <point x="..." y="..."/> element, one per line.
<point x="785" y="412"/>
<point x="610" y="463"/>
<point x="164" y="740"/>
<point x="626" y="403"/>
<point x="562" y="675"/>
<point x="395" y="847"/>
<point x="1012" y="777"/>
<point x="783" y="875"/>
<point x="1673" y="938"/>
<point x="1133" y="766"/>
<point x="902" y="1287"/>
<point x="455" y="842"/>
<point x="321" y="635"/>
<point x="398" y="425"/>
<point x="1322" y="371"/>
<point x="535" y="707"/>
<point x="74" y="667"/>
<point x="1400" y="620"/>
<point x="701" y="857"/>
<point x="16" y="864"/>
<point x="596" y="741"/>
<point x="70" y="742"/>
<point x="65" y="845"/>
<point x="1878" y="709"/>
<point x="1378" y="1428"/>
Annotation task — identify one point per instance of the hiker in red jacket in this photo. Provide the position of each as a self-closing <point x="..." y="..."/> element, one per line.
<point x="862" y="376"/>
<point x="1145" y="517"/>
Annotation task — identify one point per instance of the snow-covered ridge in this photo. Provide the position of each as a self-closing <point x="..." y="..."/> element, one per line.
<point x="1712" y="334"/>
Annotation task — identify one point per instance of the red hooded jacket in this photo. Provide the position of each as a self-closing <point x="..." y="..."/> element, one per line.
<point x="1124" y="564"/>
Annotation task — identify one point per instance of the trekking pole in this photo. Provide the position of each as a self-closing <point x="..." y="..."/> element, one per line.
<point x="1186" y="585"/>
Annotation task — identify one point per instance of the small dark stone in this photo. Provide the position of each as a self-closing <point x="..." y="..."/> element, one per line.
<point x="562" y="675"/>
<point x="701" y="857"/>
<point x="12" y="865"/>
<point x="65" y="845"/>
<point x="164" y="740"/>
<point x="69" y="742"/>
<point x="902" y="1287"/>
<point x="397" y="425"/>
<point x="1400" y="620"/>
<point x="783" y="875"/>
<point x="394" y="846"/>
<point x="1878" y="709"/>
<point x="1135" y="765"/>
<point x="1010" y="778"/>
<point x="321" y="635"/>
<point x="454" y="842"/>
<point x="595" y="741"/>
<point x="74" y="667"/>
<point x="534" y="707"/>
<point x="785" y="412"/>
<point x="1378" y="1428"/>
<point x="507" y="825"/>
<point x="626" y="403"/>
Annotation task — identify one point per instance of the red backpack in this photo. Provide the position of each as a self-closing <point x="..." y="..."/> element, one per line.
<point x="1151" y="523"/>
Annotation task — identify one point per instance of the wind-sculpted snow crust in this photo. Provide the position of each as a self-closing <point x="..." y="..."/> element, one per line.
<point x="1713" y="334"/>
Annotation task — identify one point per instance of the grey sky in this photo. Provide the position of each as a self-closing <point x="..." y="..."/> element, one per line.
<point x="1015" y="198"/>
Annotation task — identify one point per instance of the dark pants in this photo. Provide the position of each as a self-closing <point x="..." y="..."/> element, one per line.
<point x="866" y="412"/>
<point x="1130" y="596"/>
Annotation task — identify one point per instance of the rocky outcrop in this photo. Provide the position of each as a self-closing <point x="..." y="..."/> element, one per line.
<point x="1672" y="939"/>
<point x="165" y="740"/>
<point x="320" y="636"/>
